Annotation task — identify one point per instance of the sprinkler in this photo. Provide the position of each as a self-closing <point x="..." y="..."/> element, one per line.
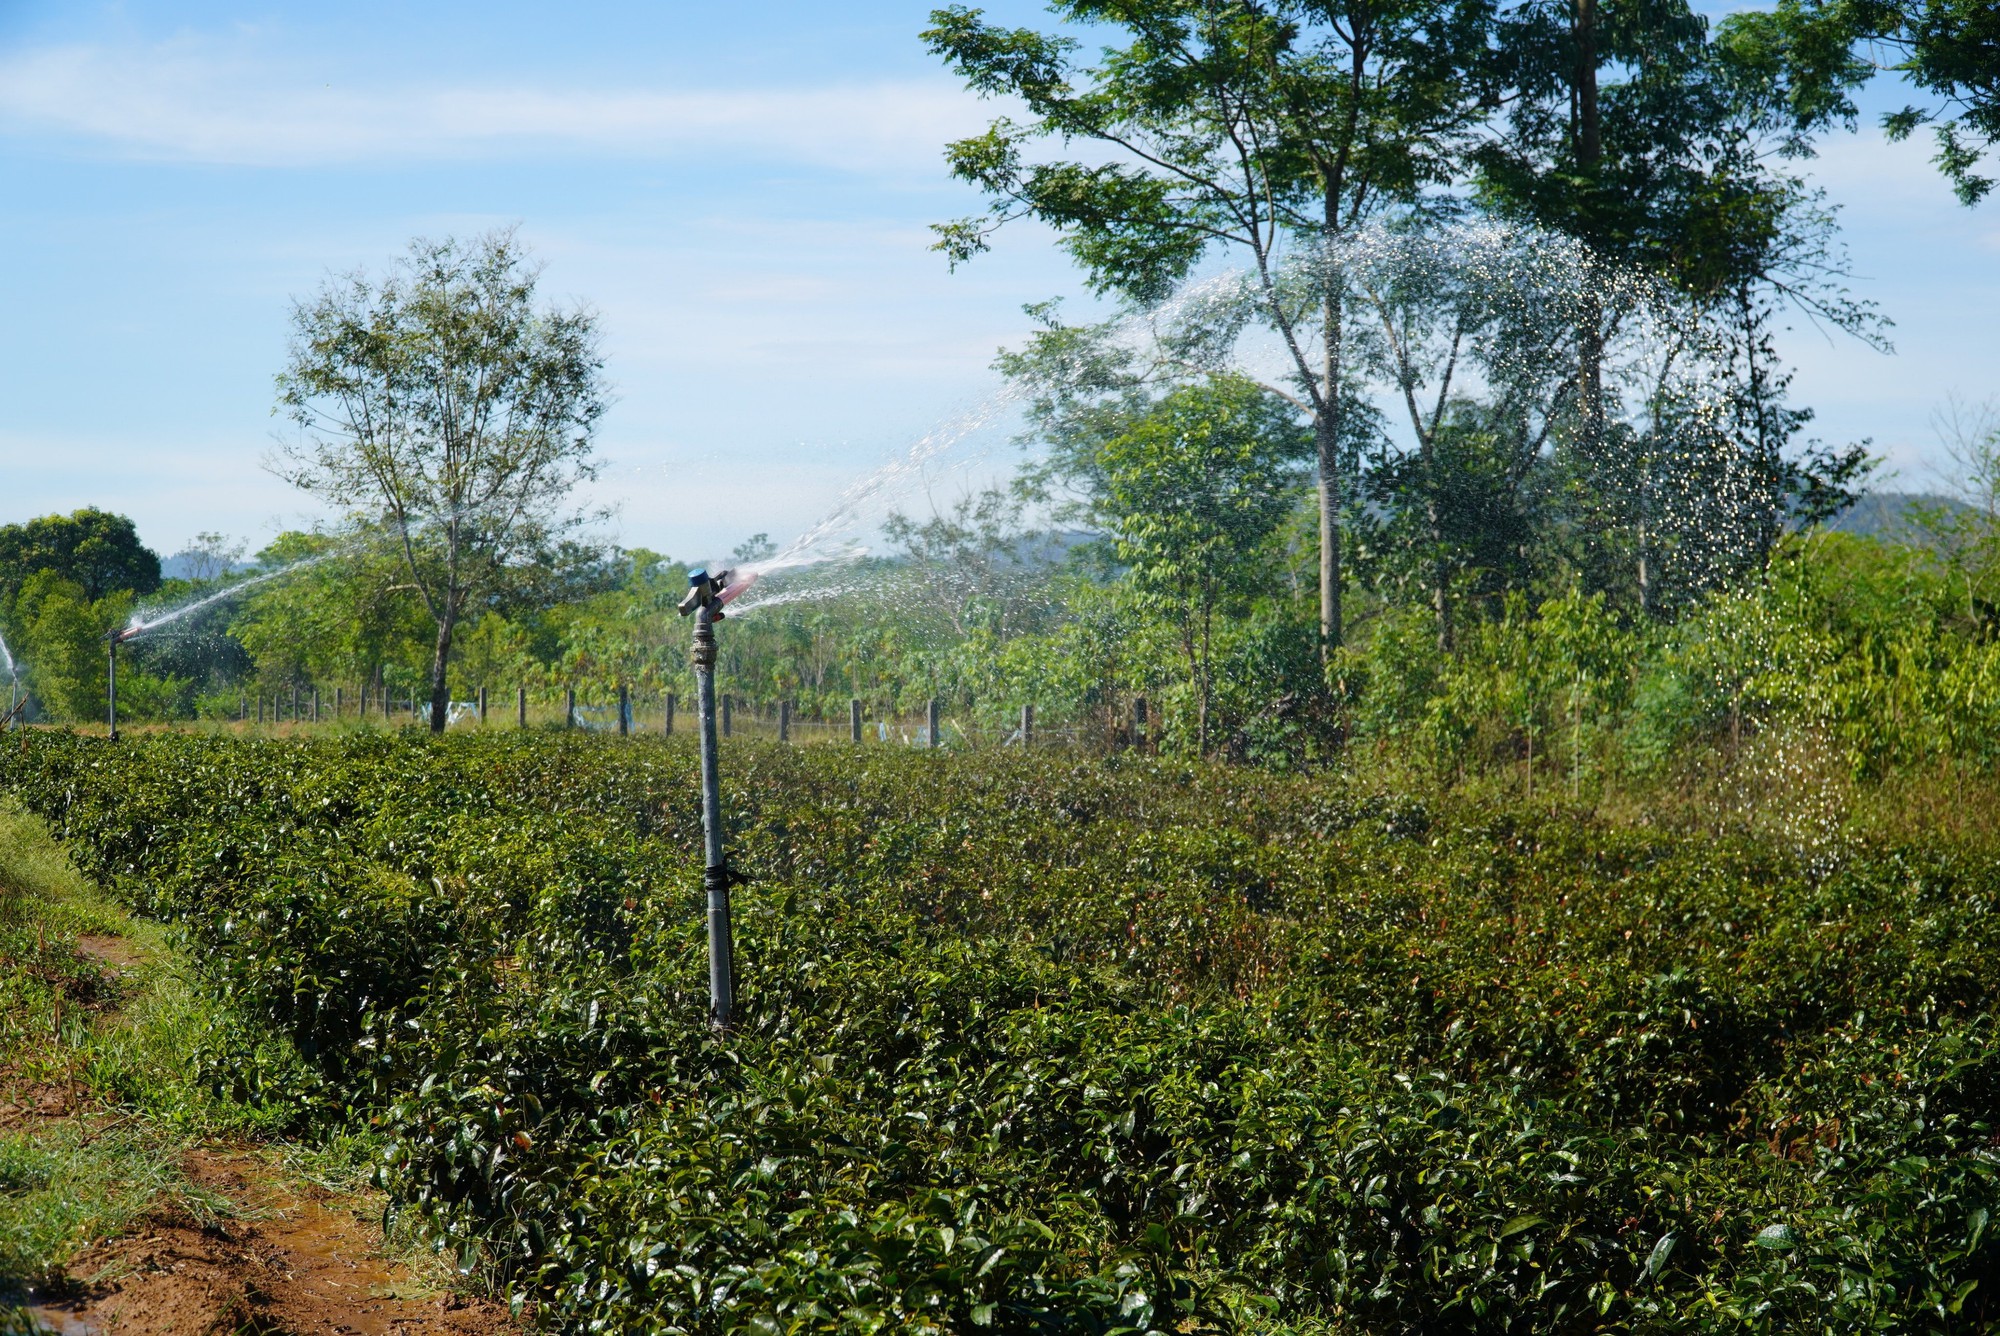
<point x="111" y="640"/>
<point x="706" y="597"/>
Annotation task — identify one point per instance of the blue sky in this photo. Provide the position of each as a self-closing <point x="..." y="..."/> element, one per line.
<point x="741" y="191"/>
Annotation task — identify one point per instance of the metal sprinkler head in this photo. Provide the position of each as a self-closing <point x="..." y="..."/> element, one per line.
<point x="705" y="591"/>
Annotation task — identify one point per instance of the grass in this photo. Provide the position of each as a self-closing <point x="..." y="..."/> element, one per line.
<point x="104" y="1066"/>
<point x="67" y="1183"/>
<point x="95" y="1062"/>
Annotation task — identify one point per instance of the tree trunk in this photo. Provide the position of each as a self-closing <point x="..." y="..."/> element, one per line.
<point x="1203" y="683"/>
<point x="1648" y="575"/>
<point x="1434" y="522"/>
<point x="1329" y="538"/>
<point x="441" y="663"/>
<point x="1326" y="437"/>
<point x="1589" y="135"/>
<point x="1441" y="605"/>
<point x="1589" y="156"/>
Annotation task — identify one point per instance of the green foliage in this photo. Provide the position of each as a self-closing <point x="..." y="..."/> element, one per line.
<point x="1824" y="50"/>
<point x="1194" y="493"/>
<point x="68" y="1024"/>
<point x="452" y="414"/>
<point x="94" y="549"/>
<point x="1032" y="1045"/>
<point x="63" y="641"/>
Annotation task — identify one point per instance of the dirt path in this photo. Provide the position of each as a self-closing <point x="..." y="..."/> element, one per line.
<point x="283" y="1256"/>
<point x="295" y="1261"/>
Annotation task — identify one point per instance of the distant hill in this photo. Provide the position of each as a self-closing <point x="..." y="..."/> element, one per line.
<point x="183" y="565"/>
<point x="1890" y="516"/>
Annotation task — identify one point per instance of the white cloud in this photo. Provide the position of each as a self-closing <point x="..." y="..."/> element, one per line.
<point x="197" y="100"/>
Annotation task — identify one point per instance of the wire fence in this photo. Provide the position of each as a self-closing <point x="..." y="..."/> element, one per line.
<point x="666" y="714"/>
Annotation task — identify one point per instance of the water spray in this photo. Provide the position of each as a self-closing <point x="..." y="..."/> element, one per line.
<point x="706" y="597"/>
<point x="16" y="706"/>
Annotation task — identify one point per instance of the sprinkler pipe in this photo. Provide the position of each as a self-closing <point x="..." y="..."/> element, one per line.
<point x="706" y="596"/>
<point x="111" y="640"/>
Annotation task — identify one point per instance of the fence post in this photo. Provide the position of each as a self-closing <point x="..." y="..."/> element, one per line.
<point x="339" y="699"/>
<point x="569" y="707"/>
<point x="521" y="706"/>
<point x="1138" y="721"/>
<point x="933" y="729"/>
<point x="854" y="719"/>
<point x="784" y="721"/>
<point x="725" y="714"/>
<point x="315" y="704"/>
<point x="667" y="722"/>
<point x="1027" y="726"/>
<point x="295" y="702"/>
<point x="482" y="705"/>
<point x="624" y="710"/>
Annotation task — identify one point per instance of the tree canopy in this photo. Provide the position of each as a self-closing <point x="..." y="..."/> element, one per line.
<point x="445" y="405"/>
<point x="96" y="549"/>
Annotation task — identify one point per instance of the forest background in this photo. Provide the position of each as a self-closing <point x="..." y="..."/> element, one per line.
<point x="1547" y="568"/>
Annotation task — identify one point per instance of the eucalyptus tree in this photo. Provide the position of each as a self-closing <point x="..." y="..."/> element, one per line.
<point x="446" y="404"/>
<point x="1253" y="126"/>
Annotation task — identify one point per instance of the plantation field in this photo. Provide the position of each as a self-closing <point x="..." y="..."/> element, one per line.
<point x="1034" y="1043"/>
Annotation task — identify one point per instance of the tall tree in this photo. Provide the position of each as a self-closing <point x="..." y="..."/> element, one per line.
<point x="96" y="549"/>
<point x="1629" y="127"/>
<point x="453" y="409"/>
<point x="1606" y="113"/>
<point x="1246" y="125"/>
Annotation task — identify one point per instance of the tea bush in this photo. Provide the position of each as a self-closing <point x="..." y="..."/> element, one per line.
<point x="1029" y="1044"/>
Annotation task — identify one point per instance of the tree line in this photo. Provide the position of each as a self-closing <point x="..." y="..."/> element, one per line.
<point x="1500" y="336"/>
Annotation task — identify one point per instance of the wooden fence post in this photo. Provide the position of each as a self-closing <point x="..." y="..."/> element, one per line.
<point x="521" y="706"/>
<point x="315" y="704"/>
<point x="339" y="699"/>
<point x="482" y="705"/>
<point x="667" y="721"/>
<point x="854" y="719"/>
<point x="726" y="715"/>
<point x="784" y="721"/>
<point x="569" y="707"/>
<point x="1027" y="726"/>
<point x="933" y="728"/>
<point x="624" y="710"/>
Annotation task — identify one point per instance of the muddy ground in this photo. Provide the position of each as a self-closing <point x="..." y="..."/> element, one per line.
<point x="278" y="1255"/>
